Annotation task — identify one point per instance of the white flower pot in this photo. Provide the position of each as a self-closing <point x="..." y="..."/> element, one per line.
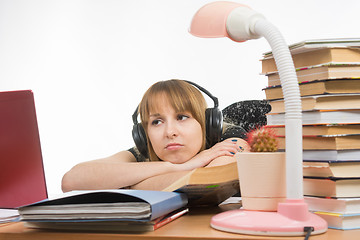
<point x="262" y="177"/>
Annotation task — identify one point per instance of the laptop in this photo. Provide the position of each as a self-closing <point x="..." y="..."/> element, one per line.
<point x="22" y="177"/>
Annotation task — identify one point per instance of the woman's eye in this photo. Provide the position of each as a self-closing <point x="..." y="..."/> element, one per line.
<point x="182" y="117"/>
<point x="155" y="122"/>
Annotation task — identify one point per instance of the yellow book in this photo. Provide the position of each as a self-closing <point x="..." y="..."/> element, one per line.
<point x="340" y="142"/>
<point x="332" y="86"/>
<point x="338" y="116"/>
<point x="323" y="129"/>
<point x="316" y="57"/>
<point x="321" y="102"/>
<point x="331" y="187"/>
<point x="339" y="169"/>
<point x="320" y="72"/>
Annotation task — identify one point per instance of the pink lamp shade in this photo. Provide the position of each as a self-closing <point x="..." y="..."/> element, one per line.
<point x="210" y="20"/>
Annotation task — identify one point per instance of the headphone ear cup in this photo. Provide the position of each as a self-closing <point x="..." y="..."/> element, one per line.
<point x="214" y="126"/>
<point x="139" y="136"/>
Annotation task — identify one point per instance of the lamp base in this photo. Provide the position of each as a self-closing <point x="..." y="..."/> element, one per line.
<point x="290" y="219"/>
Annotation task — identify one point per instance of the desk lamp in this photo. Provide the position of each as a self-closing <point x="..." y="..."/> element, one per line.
<point x="292" y="218"/>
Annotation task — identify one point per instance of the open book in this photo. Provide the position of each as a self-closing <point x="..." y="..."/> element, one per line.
<point x="203" y="186"/>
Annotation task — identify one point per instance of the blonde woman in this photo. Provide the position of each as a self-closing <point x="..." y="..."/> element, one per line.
<point x="174" y="129"/>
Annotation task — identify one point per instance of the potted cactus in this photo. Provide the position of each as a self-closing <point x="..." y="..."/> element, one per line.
<point x="262" y="171"/>
<point x="262" y="139"/>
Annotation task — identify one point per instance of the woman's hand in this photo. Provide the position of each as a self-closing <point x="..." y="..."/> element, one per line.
<point x="226" y="148"/>
<point x="222" y="160"/>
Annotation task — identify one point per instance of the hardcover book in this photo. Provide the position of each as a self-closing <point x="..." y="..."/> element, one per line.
<point x="316" y="52"/>
<point x="319" y="117"/>
<point x="322" y="102"/>
<point x="311" y="44"/>
<point x="331" y="86"/>
<point x="322" y="129"/>
<point x="320" y="72"/>
<point x="337" y="169"/>
<point x="341" y="221"/>
<point x="332" y="155"/>
<point x="331" y="187"/>
<point x="334" y="205"/>
<point x="325" y="142"/>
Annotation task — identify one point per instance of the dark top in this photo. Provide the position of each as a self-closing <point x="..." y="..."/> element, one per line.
<point x="239" y="118"/>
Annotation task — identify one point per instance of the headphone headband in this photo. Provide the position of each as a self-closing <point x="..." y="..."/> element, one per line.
<point x="215" y="100"/>
<point x="135" y="114"/>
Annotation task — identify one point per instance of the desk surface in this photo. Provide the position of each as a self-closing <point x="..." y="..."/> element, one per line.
<point x="194" y="225"/>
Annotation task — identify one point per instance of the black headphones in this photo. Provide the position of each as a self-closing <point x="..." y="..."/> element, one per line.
<point x="213" y="119"/>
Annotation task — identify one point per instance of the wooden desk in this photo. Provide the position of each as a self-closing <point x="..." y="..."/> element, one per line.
<point x="194" y="225"/>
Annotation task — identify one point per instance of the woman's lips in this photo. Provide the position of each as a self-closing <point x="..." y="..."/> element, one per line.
<point x="173" y="146"/>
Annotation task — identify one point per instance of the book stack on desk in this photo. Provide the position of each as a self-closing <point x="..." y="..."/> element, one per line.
<point x="106" y="210"/>
<point x="326" y="98"/>
<point x="332" y="190"/>
<point x="340" y="213"/>
<point x="330" y="102"/>
<point x="329" y="79"/>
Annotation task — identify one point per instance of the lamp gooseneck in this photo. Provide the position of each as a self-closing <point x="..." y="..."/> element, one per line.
<point x="243" y="24"/>
<point x="293" y="116"/>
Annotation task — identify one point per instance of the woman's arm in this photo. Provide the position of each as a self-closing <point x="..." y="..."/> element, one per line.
<point x="117" y="171"/>
<point x="159" y="182"/>
<point x="121" y="170"/>
<point x="164" y="180"/>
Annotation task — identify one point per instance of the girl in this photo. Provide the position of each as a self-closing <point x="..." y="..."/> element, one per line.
<point x="173" y="119"/>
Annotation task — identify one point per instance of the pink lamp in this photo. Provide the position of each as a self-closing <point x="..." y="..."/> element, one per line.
<point x="240" y="23"/>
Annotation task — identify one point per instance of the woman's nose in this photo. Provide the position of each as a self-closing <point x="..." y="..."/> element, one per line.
<point x="171" y="130"/>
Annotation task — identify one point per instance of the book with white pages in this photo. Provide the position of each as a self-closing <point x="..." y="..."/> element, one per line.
<point x="331" y="169"/>
<point x="331" y="155"/>
<point x="334" y="205"/>
<point x="311" y="44"/>
<point x="8" y="215"/>
<point x="319" y="117"/>
<point x="341" y="221"/>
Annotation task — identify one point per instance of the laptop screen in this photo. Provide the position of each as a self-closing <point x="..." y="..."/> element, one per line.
<point x="22" y="178"/>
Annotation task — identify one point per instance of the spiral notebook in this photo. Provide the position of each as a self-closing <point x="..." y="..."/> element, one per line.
<point x="22" y="178"/>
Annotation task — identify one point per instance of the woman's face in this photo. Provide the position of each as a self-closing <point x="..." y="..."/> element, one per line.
<point x="175" y="136"/>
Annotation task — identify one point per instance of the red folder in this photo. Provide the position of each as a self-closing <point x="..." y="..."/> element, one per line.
<point x="22" y="178"/>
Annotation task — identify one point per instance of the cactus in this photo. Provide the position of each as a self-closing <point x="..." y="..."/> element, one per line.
<point x="262" y="139"/>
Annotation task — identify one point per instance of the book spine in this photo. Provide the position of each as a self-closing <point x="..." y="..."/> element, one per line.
<point x="170" y="218"/>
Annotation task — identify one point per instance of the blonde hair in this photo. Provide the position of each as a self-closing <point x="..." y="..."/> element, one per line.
<point x="182" y="96"/>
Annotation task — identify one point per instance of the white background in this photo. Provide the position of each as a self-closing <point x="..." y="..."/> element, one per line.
<point x="89" y="62"/>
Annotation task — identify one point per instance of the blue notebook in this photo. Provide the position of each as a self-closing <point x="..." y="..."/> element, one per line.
<point x="106" y="205"/>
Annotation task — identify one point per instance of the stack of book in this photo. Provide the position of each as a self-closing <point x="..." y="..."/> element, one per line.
<point x="106" y="210"/>
<point x="328" y="72"/>
<point x="8" y="215"/>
